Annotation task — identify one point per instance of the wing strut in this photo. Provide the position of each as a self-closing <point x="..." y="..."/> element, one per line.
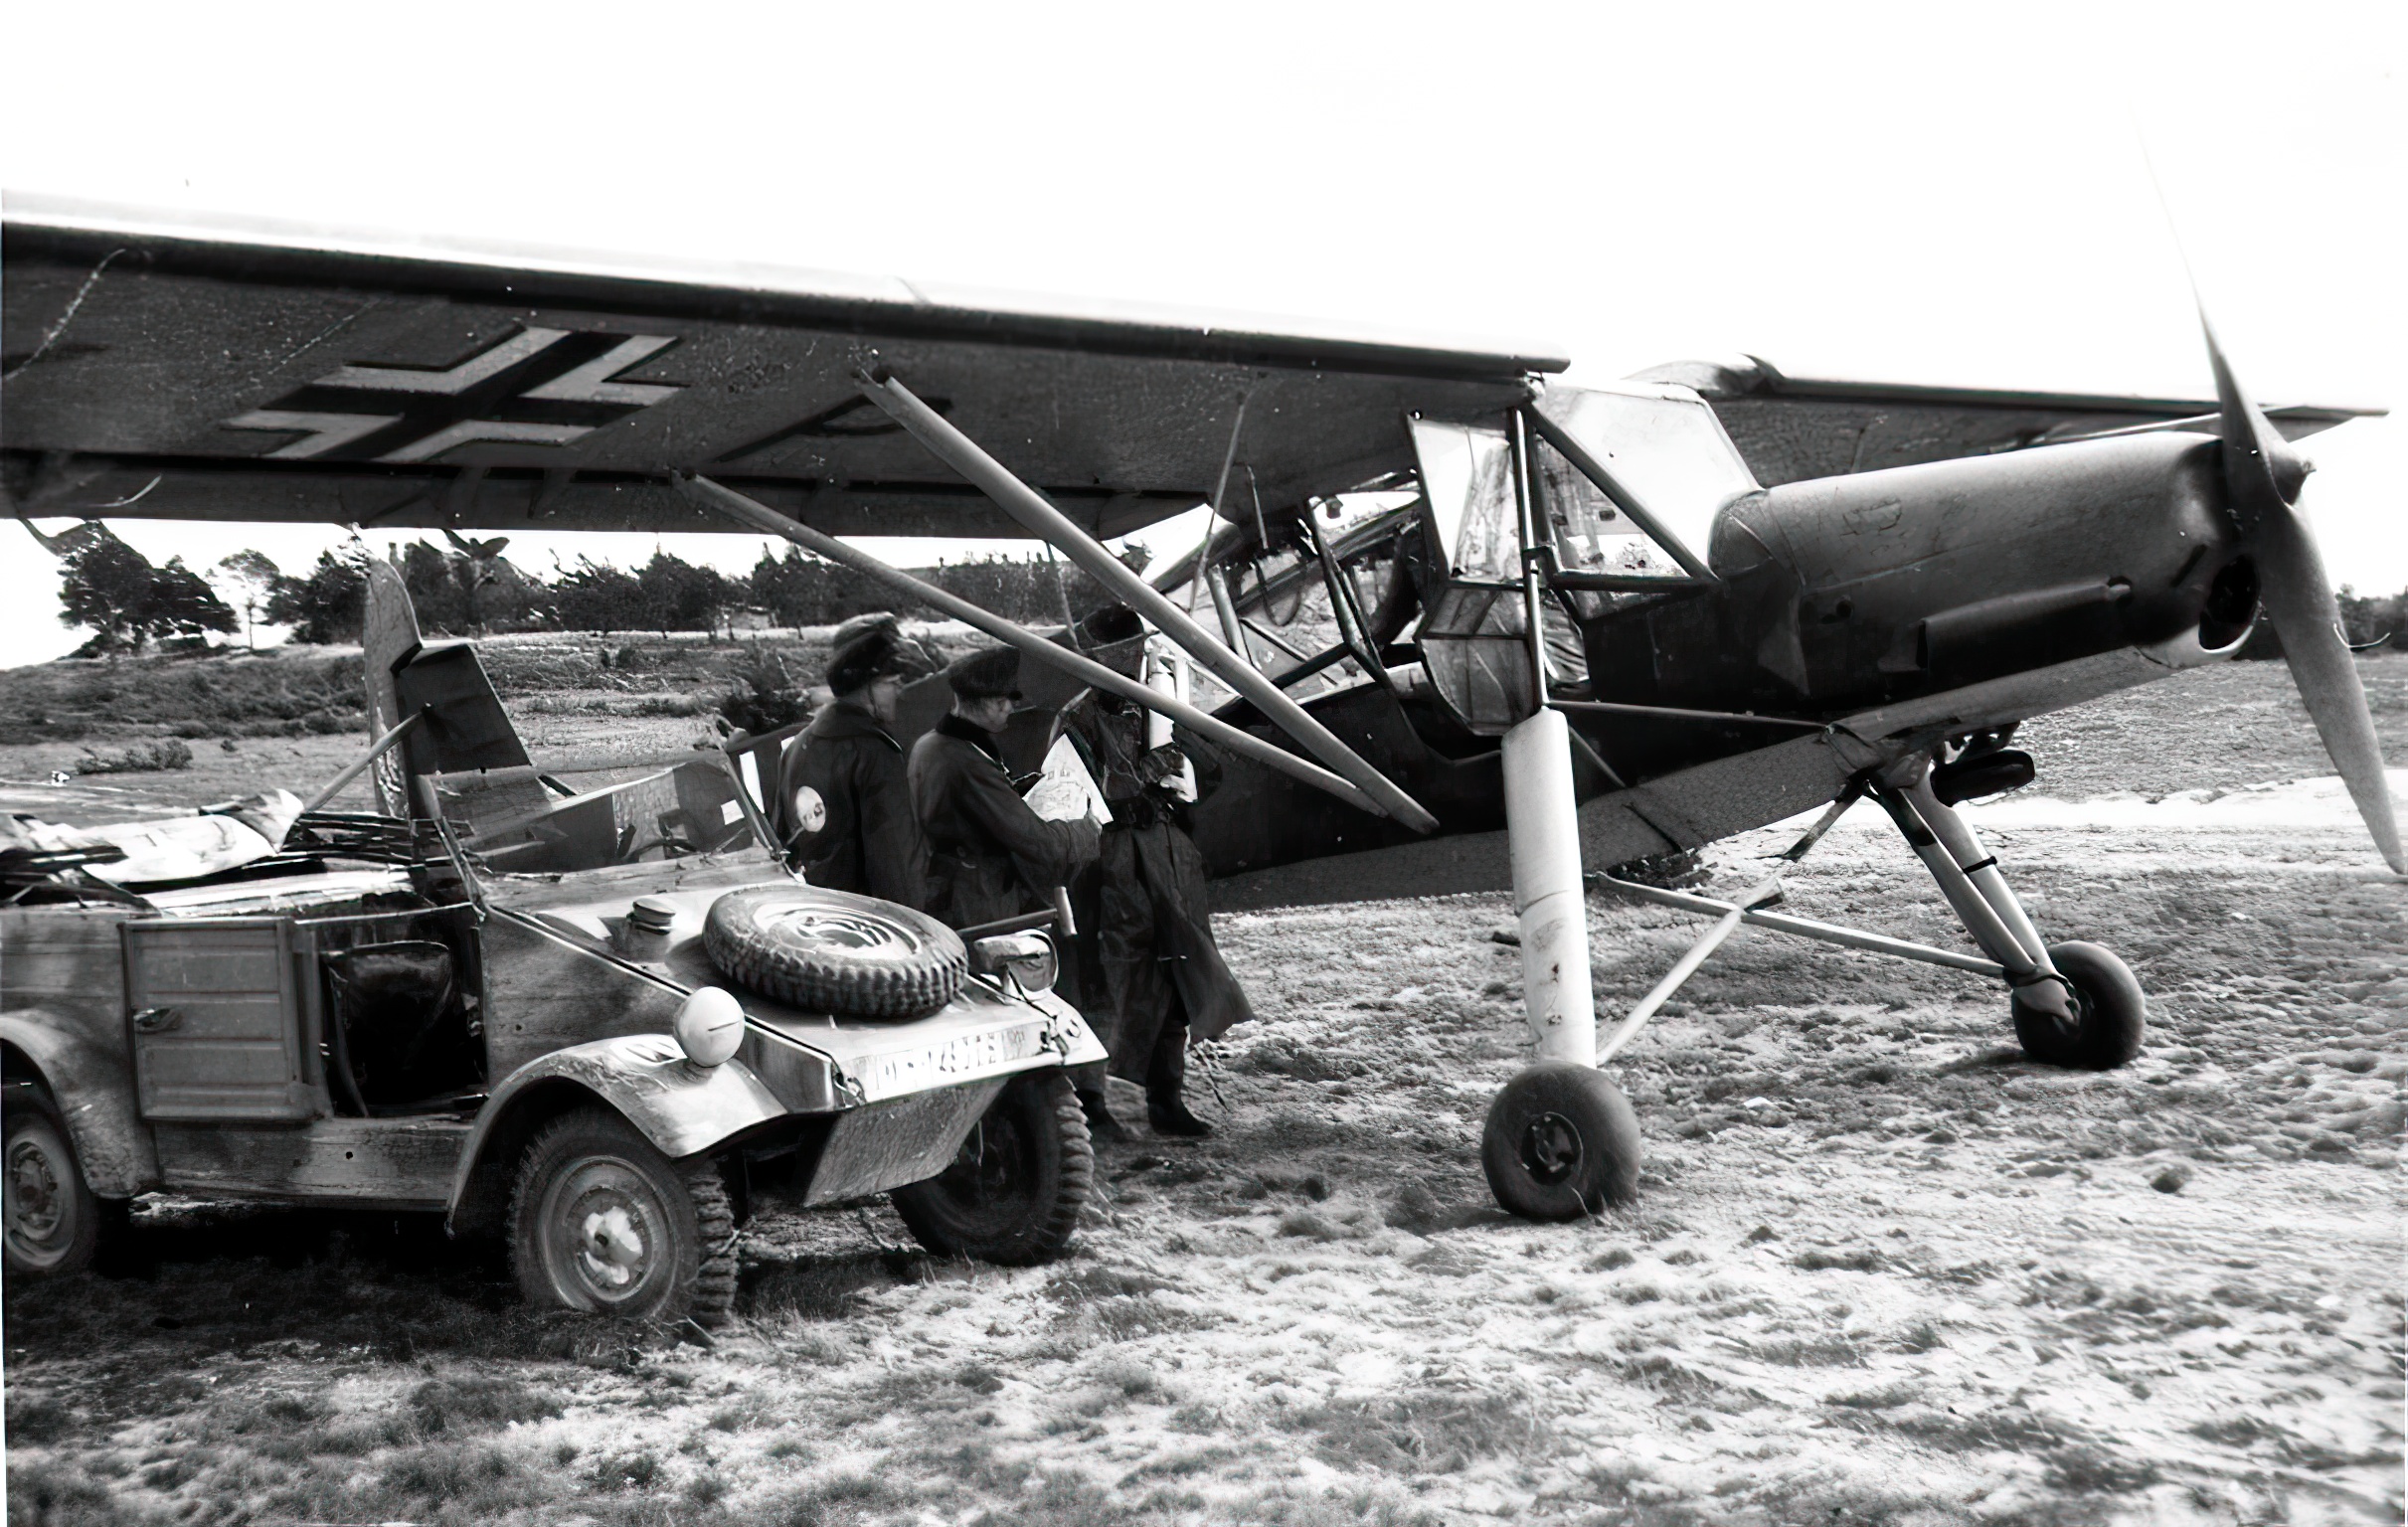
<point x="1029" y="507"/>
<point x="1236" y="739"/>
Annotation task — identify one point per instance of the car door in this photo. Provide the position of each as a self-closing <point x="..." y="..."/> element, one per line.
<point x="215" y="1010"/>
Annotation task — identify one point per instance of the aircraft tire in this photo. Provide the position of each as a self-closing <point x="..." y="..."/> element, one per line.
<point x="1014" y="1194"/>
<point x="832" y="951"/>
<point x="1561" y="1142"/>
<point x="2110" y="1015"/>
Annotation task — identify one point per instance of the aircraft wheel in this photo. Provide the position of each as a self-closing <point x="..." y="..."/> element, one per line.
<point x="602" y="1222"/>
<point x="1561" y="1142"/>
<point x="1013" y="1193"/>
<point x="2107" y="1013"/>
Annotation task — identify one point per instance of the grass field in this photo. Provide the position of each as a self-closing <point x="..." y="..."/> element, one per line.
<point x="1883" y="1270"/>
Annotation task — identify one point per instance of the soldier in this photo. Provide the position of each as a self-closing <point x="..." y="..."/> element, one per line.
<point x="1159" y="975"/>
<point x="989" y="855"/>
<point x="842" y="787"/>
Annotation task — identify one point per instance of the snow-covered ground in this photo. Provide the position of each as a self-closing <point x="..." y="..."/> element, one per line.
<point x="1883" y="1270"/>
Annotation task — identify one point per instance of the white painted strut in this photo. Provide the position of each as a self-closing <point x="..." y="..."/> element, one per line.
<point x="1768" y="889"/>
<point x="1542" y="831"/>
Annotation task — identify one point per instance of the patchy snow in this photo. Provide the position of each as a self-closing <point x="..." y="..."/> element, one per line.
<point x="1882" y="1268"/>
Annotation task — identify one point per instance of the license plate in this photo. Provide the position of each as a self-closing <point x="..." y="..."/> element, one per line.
<point x="894" y="1072"/>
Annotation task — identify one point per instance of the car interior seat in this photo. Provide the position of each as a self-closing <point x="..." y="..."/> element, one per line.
<point x="403" y="1034"/>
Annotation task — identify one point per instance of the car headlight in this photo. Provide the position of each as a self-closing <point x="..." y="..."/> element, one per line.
<point x="1030" y="958"/>
<point x="709" y="1026"/>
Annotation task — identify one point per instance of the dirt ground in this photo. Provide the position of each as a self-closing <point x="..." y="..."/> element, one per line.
<point x="1883" y="1270"/>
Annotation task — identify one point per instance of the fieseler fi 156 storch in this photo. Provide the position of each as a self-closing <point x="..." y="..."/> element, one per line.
<point x="1457" y="625"/>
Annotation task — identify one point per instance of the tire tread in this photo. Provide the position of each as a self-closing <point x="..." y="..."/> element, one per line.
<point x="1048" y="1234"/>
<point x="820" y="980"/>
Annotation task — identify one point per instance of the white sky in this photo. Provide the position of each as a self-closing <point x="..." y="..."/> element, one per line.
<point x="1916" y="194"/>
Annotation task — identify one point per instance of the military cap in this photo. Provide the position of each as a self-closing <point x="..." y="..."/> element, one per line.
<point x="875" y="653"/>
<point x="985" y="673"/>
<point x="857" y="626"/>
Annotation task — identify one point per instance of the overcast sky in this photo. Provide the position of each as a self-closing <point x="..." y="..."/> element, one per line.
<point x="1918" y="194"/>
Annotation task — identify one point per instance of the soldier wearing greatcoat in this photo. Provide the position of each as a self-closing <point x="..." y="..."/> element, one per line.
<point x="1158" y="978"/>
<point x="843" y="793"/>
<point x="991" y="856"/>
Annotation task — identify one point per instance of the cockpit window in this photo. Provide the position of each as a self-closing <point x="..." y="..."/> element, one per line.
<point x="1591" y="535"/>
<point x="1467" y="479"/>
<point x="1665" y="449"/>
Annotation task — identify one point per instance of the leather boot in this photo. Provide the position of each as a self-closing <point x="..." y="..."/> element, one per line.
<point x="1167" y="1114"/>
<point x="1101" y="1127"/>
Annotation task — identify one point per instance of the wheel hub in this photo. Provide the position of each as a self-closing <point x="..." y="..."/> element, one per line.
<point x="834" y="928"/>
<point x="605" y="1235"/>
<point x="36" y="1206"/>
<point x="1550" y="1148"/>
<point x="610" y="1246"/>
<point x="987" y="1167"/>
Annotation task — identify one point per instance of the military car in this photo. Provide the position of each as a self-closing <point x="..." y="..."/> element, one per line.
<point x="604" y="1064"/>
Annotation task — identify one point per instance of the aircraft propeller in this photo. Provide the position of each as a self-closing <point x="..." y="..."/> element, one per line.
<point x="2263" y="474"/>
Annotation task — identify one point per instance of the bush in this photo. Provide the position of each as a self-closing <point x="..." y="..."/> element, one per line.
<point x="141" y="758"/>
<point x="764" y="696"/>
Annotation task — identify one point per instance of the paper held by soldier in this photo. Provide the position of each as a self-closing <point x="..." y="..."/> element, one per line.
<point x="1065" y="791"/>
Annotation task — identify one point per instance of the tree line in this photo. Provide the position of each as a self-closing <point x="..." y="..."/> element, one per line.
<point x="469" y="589"/>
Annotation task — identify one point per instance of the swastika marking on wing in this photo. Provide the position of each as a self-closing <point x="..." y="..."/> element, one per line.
<point x="534" y="387"/>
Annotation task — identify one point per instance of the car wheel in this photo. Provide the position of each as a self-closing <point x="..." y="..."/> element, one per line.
<point x="1014" y="1190"/>
<point x="1560" y="1143"/>
<point x="600" y="1221"/>
<point x="52" y="1220"/>
<point x="2109" y="1013"/>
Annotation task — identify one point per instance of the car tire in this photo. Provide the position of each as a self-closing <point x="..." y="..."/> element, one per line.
<point x="1014" y="1191"/>
<point x="834" y="952"/>
<point x="2110" y="1015"/>
<point x="601" y="1222"/>
<point x="52" y="1223"/>
<point x="1560" y="1143"/>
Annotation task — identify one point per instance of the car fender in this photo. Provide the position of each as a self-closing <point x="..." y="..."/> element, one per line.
<point x="94" y="1088"/>
<point x="682" y="1108"/>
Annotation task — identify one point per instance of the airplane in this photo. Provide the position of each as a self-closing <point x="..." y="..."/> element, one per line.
<point x="1467" y="626"/>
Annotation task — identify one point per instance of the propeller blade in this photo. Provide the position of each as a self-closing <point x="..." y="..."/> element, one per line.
<point x="2263" y="475"/>
<point x="2299" y="600"/>
<point x="2259" y="465"/>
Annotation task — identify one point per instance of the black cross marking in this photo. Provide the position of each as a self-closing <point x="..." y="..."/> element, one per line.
<point x="500" y="398"/>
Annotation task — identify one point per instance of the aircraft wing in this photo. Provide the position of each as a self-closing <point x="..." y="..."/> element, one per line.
<point x="1794" y="427"/>
<point x="162" y="368"/>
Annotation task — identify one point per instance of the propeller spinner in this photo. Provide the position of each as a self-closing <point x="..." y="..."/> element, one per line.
<point x="2263" y="475"/>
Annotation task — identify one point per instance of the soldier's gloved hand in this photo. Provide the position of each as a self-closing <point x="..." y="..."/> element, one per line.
<point x="1162" y="765"/>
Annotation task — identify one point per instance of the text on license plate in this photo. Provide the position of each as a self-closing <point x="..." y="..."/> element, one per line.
<point x="952" y="1060"/>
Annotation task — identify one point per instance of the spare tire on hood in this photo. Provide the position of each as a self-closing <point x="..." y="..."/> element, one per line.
<point x="834" y="952"/>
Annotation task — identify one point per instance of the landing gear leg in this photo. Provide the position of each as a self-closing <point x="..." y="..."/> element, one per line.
<point x="1560" y="1141"/>
<point x="2074" y="1004"/>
